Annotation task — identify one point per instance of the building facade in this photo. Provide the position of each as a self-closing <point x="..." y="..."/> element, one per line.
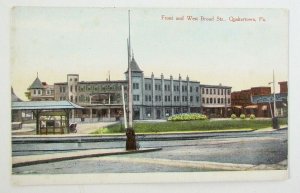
<point x="215" y="100"/>
<point x="283" y="104"/>
<point x="101" y="100"/>
<point x="242" y="103"/>
<point x="153" y="97"/>
<point x="281" y="101"/>
<point x="159" y="98"/>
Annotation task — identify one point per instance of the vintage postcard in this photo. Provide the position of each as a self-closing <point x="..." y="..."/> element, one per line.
<point x="134" y="95"/>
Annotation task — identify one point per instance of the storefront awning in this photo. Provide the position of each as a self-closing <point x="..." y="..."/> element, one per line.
<point x="251" y="107"/>
<point x="237" y="106"/>
<point x="264" y="107"/>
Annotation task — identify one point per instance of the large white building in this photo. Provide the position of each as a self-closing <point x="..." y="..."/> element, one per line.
<point x="158" y="98"/>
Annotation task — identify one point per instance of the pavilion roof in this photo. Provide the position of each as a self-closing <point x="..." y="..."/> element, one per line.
<point x="44" y="105"/>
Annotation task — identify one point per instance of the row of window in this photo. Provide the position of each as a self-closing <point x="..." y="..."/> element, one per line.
<point x="215" y="91"/>
<point x="167" y="87"/>
<point x="168" y="111"/>
<point x="82" y="88"/>
<point x="136" y="97"/>
<point x="167" y="98"/>
<point x="215" y="100"/>
<point x="39" y="92"/>
<point x="75" y="79"/>
<point x="71" y="88"/>
<point x="72" y="99"/>
<point x="62" y="98"/>
<point x="135" y="85"/>
<point x="62" y="89"/>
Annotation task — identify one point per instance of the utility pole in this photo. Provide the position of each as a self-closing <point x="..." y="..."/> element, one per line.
<point x="130" y="134"/>
<point x="129" y="77"/>
<point x="225" y="113"/>
<point x="275" y="123"/>
<point x="274" y="96"/>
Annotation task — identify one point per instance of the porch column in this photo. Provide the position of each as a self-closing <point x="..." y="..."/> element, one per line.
<point x="91" y="115"/>
<point x="108" y="112"/>
<point x="73" y="115"/>
<point x="37" y="116"/>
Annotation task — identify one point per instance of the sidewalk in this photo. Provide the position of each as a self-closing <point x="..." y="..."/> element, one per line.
<point x="271" y="129"/>
<point x="18" y="161"/>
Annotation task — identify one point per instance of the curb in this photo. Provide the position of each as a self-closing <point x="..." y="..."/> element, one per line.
<point x="110" y="138"/>
<point x="20" y="161"/>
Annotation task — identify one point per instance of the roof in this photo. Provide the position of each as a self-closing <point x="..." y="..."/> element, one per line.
<point x="37" y="84"/>
<point x="174" y="80"/>
<point x="134" y="66"/>
<point x="94" y="82"/>
<point x="14" y="97"/>
<point x="44" y="105"/>
<point x="214" y="86"/>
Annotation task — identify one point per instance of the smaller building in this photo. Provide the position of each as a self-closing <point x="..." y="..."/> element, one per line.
<point x="281" y="101"/>
<point x="283" y="86"/>
<point x="282" y="105"/>
<point x="215" y="100"/>
<point x="40" y="91"/>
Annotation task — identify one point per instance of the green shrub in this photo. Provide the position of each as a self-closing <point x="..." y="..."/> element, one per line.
<point x="187" y="117"/>
<point x="233" y="116"/>
<point x="243" y="116"/>
<point x="252" y="116"/>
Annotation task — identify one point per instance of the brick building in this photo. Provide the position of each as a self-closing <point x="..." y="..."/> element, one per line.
<point x="283" y="87"/>
<point x="241" y="102"/>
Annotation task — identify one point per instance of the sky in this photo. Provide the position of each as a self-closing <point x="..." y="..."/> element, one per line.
<point x="91" y="42"/>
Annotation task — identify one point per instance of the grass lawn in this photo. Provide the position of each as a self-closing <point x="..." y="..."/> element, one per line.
<point x="192" y="126"/>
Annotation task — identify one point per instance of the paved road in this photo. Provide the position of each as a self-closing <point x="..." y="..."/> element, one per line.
<point x="269" y="147"/>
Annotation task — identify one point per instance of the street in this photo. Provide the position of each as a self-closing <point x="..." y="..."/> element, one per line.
<point x="255" y="148"/>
